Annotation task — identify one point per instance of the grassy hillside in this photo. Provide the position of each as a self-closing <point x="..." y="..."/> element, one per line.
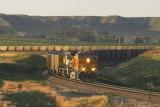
<point x="21" y="66"/>
<point x="136" y="72"/>
<point x="78" y="28"/>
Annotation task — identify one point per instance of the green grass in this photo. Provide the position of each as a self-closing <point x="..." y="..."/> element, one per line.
<point x="24" y="67"/>
<point x="1" y="82"/>
<point x="135" y="73"/>
<point x="30" y="99"/>
<point x="4" y="42"/>
<point x="36" y="41"/>
<point x="15" y="42"/>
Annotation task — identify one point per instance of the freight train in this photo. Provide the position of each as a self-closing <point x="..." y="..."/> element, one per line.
<point x="73" y="64"/>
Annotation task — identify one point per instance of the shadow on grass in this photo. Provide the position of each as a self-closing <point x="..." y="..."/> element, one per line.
<point x="135" y="73"/>
<point x="31" y="99"/>
<point x="1" y="83"/>
<point x="27" y="68"/>
<point x="75" y="94"/>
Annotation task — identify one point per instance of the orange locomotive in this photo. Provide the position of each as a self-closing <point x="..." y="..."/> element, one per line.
<point x="74" y="65"/>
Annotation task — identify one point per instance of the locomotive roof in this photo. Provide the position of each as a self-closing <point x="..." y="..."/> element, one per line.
<point x="57" y="53"/>
<point x="65" y="53"/>
<point x="87" y="54"/>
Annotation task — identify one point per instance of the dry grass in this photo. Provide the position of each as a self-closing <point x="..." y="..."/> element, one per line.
<point x="13" y="87"/>
<point x="152" y="53"/>
<point x="93" y="101"/>
<point x="9" y="57"/>
<point x="10" y="54"/>
<point x="61" y="101"/>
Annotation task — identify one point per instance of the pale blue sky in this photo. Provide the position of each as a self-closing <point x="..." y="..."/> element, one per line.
<point x="129" y="8"/>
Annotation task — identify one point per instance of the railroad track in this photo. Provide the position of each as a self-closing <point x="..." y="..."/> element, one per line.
<point x="105" y="89"/>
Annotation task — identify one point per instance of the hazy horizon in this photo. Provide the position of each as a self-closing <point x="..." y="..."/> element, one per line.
<point x="125" y="8"/>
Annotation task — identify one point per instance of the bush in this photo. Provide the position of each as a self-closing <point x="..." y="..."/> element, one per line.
<point x="30" y="99"/>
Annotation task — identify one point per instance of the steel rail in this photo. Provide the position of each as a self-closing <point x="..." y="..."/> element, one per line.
<point x="105" y="88"/>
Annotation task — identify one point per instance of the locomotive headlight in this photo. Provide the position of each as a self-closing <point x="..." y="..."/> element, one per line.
<point x="83" y="69"/>
<point x="93" y="69"/>
<point x="88" y="60"/>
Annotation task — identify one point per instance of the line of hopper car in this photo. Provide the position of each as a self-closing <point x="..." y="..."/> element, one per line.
<point x="73" y="64"/>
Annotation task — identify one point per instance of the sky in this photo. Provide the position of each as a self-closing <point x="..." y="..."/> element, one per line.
<point x="127" y="8"/>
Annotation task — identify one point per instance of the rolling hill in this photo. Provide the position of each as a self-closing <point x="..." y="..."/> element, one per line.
<point x="79" y="27"/>
<point x="137" y="72"/>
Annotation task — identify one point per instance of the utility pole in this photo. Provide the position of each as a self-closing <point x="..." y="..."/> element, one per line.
<point x="119" y="41"/>
<point x="136" y="41"/>
<point x="150" y="87"/>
